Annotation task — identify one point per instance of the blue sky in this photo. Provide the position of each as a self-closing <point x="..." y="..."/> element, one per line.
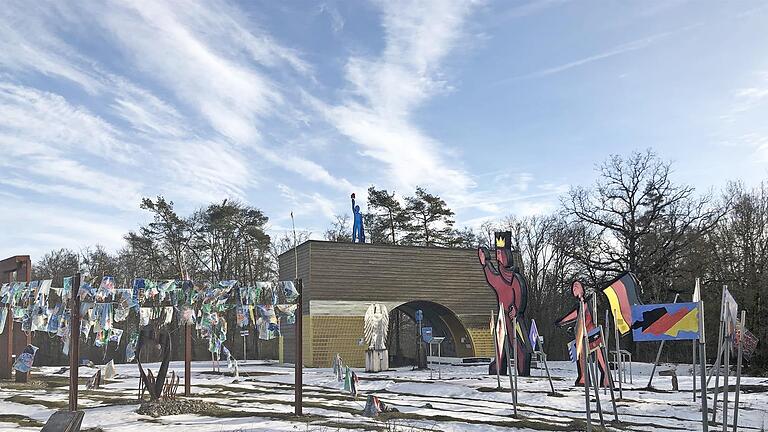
<point x="498" y="107"/>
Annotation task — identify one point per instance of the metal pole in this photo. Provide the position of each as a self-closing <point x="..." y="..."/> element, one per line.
<point x="610" y="378"/>
<point x="187" y="360"/>
<point x="618" y="358"/>
<point x="703" y="364"/>
<point x="496" y="350"/>
<point x="716" y="367"/>
<point x="693" y="370"/>
<point x="546" y="368"/>
<point x="593" y="371"/>
<point x="514" y="352"/>
<point x="738" y="371"/>
<point x="509" y="375"/>
<point x="509" y="371"/>
<point x="74" y="341"/>
<point x="727" y="372"/>
<point x="584" y="351"/>
<point x="658" y="353"/>
<point x="299" y="354"/>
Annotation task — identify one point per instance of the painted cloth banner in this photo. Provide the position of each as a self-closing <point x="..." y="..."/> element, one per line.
<point x="289" y="291"/>
<point x="668" y="321"/>
<point x="622" y="294"/>
<point x="750" y="343"/>
<point x="24" y="361"/>
<point x="731" y="312"/>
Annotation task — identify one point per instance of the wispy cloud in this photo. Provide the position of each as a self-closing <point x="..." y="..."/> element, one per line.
<point x="618" y="50"/>
<point x="384" y="91"/>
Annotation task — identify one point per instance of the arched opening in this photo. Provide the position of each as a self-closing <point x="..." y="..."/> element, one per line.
<point x="404" y="336"/>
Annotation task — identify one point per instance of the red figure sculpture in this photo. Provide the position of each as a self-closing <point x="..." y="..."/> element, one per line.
<point x="577" y="289"/>
<point x="511" y="292"/>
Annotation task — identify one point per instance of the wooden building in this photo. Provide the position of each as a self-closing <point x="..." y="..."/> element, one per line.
<point x="342" y="279"/>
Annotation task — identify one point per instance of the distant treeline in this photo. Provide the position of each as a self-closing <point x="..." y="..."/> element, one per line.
<point x="635" y="217"/>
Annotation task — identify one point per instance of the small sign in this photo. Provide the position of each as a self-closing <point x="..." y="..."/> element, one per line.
<point x="244" y="333"/>
<point x="426" y="334"/>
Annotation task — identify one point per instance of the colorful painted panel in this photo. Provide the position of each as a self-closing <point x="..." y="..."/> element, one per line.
<point x="671" y="321"/>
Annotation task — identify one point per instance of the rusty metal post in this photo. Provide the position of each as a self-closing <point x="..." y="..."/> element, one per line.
<point x="299" y="360"/>
<point x="74" y="342"/>
<point x="187" y="360"/>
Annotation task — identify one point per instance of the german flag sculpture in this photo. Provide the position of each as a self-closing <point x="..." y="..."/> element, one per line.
<point x="622" y="294"/>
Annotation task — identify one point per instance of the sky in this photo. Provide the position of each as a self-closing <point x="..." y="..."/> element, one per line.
<point x="497" y="106"/>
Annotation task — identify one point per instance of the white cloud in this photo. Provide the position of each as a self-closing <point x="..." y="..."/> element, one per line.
<point x="384" y="91"/>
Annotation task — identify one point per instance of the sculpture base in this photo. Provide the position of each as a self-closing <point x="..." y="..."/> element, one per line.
<point x="376" y="360"/>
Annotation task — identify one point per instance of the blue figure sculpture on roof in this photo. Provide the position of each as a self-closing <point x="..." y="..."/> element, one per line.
<point x="358" y="233"/>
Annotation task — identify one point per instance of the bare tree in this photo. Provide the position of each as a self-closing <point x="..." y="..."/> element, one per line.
<point x="340" y="230"/>
<point x="643" y="222"/>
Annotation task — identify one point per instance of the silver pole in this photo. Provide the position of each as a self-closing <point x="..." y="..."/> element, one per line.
<point x="595" y="384"/>
<point x="496" y="350"/>
<point x="546" y="368"/>
<point x="610" y="380"/>
<point x="703" y="364"/>
<point x="509" y="375"/>
<point x="720" y="350"/>
<point x="693" y="361"/>
<point x="738" y="371"/>
<point x="618" y="357"/>
<point x="693" y="370"/>
<point x="514" y="355"/>
<point x="719" y="338"/>
<point x="585" y="370"/>
<point x="658" y="353"/>
<point x="727" y="373"/>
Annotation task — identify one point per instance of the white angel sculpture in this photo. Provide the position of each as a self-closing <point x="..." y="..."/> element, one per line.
<point x="376" y="326"/>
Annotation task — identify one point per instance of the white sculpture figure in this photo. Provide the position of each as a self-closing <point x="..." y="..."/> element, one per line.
<point x="376" y="327"/>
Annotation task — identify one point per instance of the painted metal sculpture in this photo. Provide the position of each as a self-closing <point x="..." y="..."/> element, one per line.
<point x="154" y="384"/>
<point x="512" y="293"/>
<point x="358" y="232"/>
<point x="569" y="320"/>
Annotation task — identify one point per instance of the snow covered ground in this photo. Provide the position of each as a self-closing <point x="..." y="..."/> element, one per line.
<point x="465" y="399"/>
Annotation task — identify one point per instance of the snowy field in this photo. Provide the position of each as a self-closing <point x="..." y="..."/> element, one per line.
<point x="465" y="399"/>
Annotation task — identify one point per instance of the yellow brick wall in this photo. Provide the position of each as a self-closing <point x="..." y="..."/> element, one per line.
<point x="331" y="335"/>
<point x="482" y="340"/>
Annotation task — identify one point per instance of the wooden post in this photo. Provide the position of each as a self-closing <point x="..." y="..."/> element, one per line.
<point x="299" y="348"/>
<point x="703" y="363"/>
<point x="6" y="370"/>
<point x="24" y="376"/>
<point x="74" y="341"/>
<point x="187" y="360"/>
<point x="738" y="370"/>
